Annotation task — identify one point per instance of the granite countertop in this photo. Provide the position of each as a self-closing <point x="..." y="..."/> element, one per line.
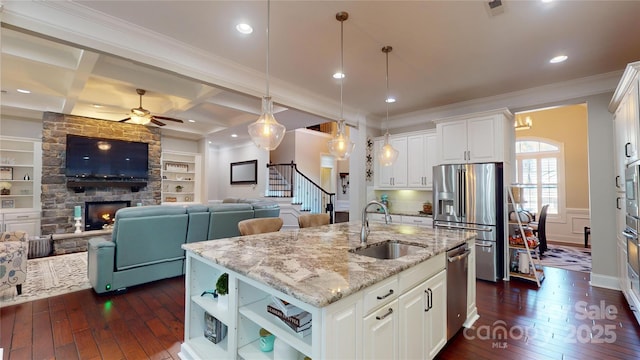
<point x="314" y="264"/>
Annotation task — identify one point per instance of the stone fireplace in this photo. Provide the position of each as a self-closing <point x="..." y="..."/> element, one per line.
<point x="58" y="200"/>
<point x="100" y="215"/>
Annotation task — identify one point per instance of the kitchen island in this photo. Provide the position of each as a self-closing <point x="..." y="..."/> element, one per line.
<point x="361" y="307"/>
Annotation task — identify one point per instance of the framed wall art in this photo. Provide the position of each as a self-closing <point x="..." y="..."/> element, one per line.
<point x="8" y="204"/>
<point x="244" y="172"/>
<point x="6" y="173"/>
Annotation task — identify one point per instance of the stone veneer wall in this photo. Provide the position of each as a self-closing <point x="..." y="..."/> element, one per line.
<point x="58" y="201"/>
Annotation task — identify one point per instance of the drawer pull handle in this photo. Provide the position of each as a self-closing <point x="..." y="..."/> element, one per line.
<point x="23" y="216"/>
<point x="385" y="295"/>
<point x="385" y="315"/>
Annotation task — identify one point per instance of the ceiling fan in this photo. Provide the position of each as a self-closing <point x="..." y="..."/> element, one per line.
<point x="143" y="116"/>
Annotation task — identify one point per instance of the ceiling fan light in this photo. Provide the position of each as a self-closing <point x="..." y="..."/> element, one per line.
<point x="341" y="146"/>
<point x="266" y="132"/>
<point x="140" y="120"/>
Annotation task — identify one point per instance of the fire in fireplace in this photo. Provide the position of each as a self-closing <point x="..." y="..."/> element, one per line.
<point x="99" y="215"/>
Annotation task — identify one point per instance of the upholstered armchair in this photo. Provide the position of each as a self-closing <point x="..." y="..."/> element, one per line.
<point x="13" y="259"/>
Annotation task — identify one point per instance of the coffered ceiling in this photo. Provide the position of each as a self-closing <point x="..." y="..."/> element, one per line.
<point x="195" y="66"/>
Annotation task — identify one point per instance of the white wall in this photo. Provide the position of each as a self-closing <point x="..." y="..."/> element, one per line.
<point x="182" y="145"/>
<point x="20" y="127"/>
<point x="308" y="149"/>
<point x="218" y="171"/>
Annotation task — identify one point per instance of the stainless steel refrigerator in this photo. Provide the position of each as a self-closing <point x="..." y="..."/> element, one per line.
<point x="470" y="196"/>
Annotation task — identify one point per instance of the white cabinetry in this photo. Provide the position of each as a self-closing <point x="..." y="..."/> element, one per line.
<point x="423" y="316"/>
<point x="413" y="168"/>
<point x="421" y="153"/>
<point x="402" y="316"/>
<point x="28" y="222"/>
<point x="395" y="175"/>
<point x="626" y="118"/>
<point x="475" y="138"/>
<point x="181" y="176"/>
<point x="380" y="334"/>
<point x="625" y="107"/>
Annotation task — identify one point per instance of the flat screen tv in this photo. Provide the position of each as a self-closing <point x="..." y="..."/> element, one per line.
<point x="109" y="159"/>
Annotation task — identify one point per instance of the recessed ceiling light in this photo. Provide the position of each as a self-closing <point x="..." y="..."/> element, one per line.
<point x="244" y="29"/>
<point x="234" y="135"/>
<point x="97" y="106"/>
<point x="338" y="75"/>
<point x="191" y="121"/>
<point x="558" y="59"/>
<point x="23" y="91"/>
<point x="210" y="142"/>
<point x="390" y="100"/>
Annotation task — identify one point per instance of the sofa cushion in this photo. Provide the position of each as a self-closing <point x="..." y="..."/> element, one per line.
<point x="198" y="223"/>
<point x="224" y="219"/>
<point x="266" y="208"/>
<point x="149" y="234"/>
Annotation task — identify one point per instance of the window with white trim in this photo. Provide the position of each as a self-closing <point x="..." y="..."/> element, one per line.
<point x="539" y="170"/>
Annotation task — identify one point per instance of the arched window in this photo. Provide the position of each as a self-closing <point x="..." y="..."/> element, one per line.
<point x="540" y="170"/>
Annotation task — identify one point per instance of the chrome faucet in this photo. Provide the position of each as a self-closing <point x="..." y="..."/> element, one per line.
<point x="364" y="232"/>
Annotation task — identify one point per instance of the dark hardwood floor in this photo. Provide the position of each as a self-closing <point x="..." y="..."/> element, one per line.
<point x="147" y="321"/>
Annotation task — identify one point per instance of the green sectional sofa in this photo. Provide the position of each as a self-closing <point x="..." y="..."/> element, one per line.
<point x="146" y="242"/>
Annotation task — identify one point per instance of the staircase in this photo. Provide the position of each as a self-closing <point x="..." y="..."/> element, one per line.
<point x="286" y="181"/>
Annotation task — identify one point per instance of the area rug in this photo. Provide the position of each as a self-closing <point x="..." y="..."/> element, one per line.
<point x="567" y="257"/>
<point x="50" y="276"/>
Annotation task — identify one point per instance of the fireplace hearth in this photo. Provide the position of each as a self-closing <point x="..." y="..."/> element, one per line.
<point x="100" y="215"/>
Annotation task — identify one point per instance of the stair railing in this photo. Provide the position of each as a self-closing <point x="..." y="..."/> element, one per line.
<point x="285" y="180"/>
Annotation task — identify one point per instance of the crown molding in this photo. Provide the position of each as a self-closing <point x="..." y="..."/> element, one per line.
<point x="528" y="98"/>
<point x="79" y="25"/>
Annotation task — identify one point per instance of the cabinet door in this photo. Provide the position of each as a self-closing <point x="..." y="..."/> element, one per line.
<point x="343" y="333"/>
<point x="31" y="227"/>
<point x="437" y="314"/>
<point x="619" y="141"/>
<point x="394" y="175"/>
<point x="399" y="167"/>
<point x="483" y="139"/>
<point x="412" y="308"/>
<point x="430" y="158"/>
<point x="416" y="161"/>
<point x="380" y="333"/>
<point x="383" y="174"/>
<point x="452" y="142"/>
<point x="633" y="122"/>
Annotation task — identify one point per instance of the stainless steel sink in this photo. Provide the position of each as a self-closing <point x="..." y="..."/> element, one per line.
<point x="390" y="249"/>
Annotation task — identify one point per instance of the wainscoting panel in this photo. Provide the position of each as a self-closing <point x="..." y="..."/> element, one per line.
<point x="570" y="231"/>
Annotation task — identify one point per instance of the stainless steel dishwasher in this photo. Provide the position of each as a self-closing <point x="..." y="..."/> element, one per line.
<point x="457" y="267"/>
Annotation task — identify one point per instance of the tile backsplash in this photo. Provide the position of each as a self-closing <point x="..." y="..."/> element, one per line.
<point x="403" y="201"/>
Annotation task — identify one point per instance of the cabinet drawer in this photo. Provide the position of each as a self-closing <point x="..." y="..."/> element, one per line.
<point x="417" y="220"/>
<point x="380" y="294"/>
<point x="379" y="217"/>
<point x="421" y="272"/>
<point x="21" y="216"/>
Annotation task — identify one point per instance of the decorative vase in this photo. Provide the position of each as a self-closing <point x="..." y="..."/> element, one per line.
<point x="26" y="177"/>
<point x="5" y="192"/>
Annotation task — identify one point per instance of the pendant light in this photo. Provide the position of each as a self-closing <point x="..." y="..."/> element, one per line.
<point x="341" y="146"/>
<point x="266" y="132"/>
<point x="387" y="154"/>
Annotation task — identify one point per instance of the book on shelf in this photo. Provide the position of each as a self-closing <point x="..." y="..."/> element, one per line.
<point x="287" y="309"/>
<point x="300" y="323"/>
<point x="215" y="331"/>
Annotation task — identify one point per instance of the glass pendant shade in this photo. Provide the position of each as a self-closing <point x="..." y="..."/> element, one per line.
<point x="266" y="132"/>
<point x="387" y="154"/>
<point x="341" y="146"/>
